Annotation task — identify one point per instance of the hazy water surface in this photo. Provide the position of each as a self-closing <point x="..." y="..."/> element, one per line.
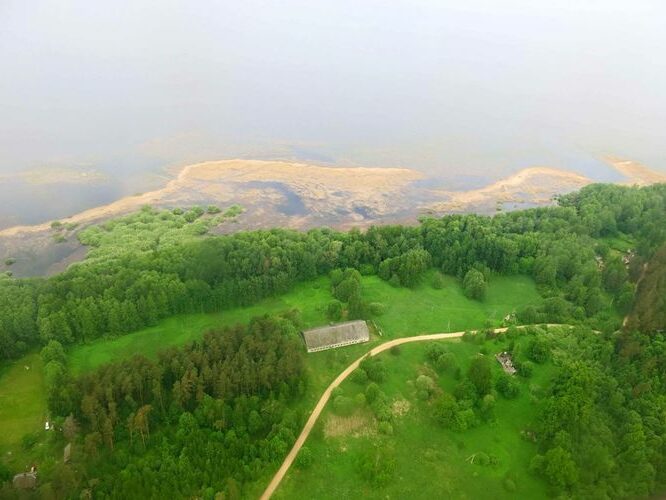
<point x="466" y="91"/>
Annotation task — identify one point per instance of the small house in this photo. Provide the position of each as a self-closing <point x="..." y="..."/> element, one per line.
<point x="330" y="337"/>
<point x="25" y="481"/>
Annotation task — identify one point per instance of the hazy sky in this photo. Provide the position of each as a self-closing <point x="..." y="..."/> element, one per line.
<point x="473" y="87"/>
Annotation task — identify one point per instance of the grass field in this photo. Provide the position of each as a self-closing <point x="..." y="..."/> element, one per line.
<point x="22" y="403"/>
<point x="427" y="310"/>
<point x="409" y="312"/>
<point x="430" y="462"/>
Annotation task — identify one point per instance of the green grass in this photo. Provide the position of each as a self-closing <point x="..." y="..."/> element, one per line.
<point x="409" y="312"/>
<point x="431" y="462"/>
<point x="427" y="310"/>
<point x="311" y="298"/>
<point x="22" y="402"/>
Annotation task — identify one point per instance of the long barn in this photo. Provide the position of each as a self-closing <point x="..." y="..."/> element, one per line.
<point x="342" y="334"/>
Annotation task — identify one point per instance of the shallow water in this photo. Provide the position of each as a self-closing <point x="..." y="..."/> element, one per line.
<point x="465" y="91"/>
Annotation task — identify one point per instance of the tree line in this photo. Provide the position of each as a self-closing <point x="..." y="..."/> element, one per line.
<point x="155" y="264"/>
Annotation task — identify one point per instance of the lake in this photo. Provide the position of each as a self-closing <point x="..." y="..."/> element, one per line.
<point x="466" y="92"/>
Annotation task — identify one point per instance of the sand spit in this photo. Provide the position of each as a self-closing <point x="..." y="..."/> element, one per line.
<point x="535" y="186"/>
<point x="322" y="190"/>
<point x="301" y="196"/>
<point x="636" y="173"/>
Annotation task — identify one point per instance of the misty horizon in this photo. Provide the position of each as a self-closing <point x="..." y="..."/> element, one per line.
<point x="442" y="87"/>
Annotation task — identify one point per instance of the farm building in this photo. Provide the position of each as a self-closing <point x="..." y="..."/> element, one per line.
<point x="329" y="337"/>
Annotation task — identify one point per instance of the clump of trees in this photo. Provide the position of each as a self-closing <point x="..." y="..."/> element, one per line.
<point x="211" y="415"/>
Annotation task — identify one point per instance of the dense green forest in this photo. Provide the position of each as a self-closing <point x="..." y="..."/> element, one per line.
<point x="215" y="415"/>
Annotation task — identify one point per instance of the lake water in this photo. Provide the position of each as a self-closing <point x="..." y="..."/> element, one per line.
<point x="466" y="91"/>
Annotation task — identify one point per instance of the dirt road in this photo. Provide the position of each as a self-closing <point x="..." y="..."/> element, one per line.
<point x="275" y="482"/>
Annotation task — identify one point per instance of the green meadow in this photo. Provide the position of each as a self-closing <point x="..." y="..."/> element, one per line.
<point x="22" y="404"/>
<point x="424" y="459"/>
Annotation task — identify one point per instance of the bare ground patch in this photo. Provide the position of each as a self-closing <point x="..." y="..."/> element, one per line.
<point x="400" y="407"/>
<point x="356" y="425"/>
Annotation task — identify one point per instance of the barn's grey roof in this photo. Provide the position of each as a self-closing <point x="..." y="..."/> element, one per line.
<point x="327" y="337"/>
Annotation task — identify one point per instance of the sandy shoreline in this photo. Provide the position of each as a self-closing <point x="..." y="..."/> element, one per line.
<point x="320" y="188"/>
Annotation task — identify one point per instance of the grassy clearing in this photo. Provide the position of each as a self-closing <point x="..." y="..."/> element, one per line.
<point x="311" y="298"/>
<point x="22" y="403"/>
<point x="430" y="462"/>
<point x="427" y="310"/>
<point x="409" y="312"/>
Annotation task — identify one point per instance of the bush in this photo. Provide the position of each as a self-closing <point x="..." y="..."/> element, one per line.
<point x="28" y="441"/>
<point x="212" y="209"/>
<point x="396" y="350"/>
<point x="538" y="350"/>
<point x="372" y="392"/>
<point x="334" y="310"/>
<point x="425" y="386"/>
<point x="377" y="308"/>
<point x="385" y="428"/>
<point x="304" y="458"/>
<point x="474" y="285"/>
<point x="509" y="484"/>
<point x="9" y="261"/>
<point x="375" y="369"/>
<point x="507" y="386"/>
<point x="342" y="405"/>
<point x="447" y="362"/>
<point x="525" y="369"/>
<point x="438" y="281"/>
<point x="359" y="376"/>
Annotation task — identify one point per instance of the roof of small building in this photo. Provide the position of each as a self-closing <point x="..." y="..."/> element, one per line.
<point x="331" y="335"/>
<point x="25" y="480"/>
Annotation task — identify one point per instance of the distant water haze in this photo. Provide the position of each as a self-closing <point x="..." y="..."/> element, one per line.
<point x="465" y="91"/>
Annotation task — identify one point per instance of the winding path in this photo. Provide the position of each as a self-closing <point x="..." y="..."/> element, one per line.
<point x="289" y="459"/>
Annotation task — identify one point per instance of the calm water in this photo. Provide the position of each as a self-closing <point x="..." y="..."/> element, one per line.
<point x="466" y="91"/>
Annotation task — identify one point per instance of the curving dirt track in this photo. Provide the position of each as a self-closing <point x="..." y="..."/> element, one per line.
<point x="289" y="459"/>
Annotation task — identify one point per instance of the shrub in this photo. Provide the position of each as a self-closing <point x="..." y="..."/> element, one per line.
<point x="304" y="458"/>
<point x="334" y="310"/>
<point x="396" y="350"/>
<point x="425" y="386"/>
<point x="474" y="285"/>
<point x="372" y="392"/>
<point x="446" y="362"/>
<point x="359" y="376"/>
<point x="525" y="369"/>
<point x="538" y="350"/>
<point x="377" y="308"/>
<point x="507" y="386"/>
<point x="9" y="261"/>
<point x="385" y="428"/>
<point x="438" y="281"/>
<point x="212" y="209"/>
<point x="342" y="405"/>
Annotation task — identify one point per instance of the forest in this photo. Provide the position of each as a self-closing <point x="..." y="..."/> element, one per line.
<point x="212" y="416"/>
